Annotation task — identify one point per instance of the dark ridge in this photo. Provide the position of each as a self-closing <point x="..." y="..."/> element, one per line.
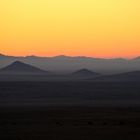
<point x="128" y="76"/>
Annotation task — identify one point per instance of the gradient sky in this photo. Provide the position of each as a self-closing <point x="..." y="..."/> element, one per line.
<point x="98" y="28"/>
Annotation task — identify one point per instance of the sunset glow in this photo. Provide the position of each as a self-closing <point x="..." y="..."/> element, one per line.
<point x="98" y="28"/>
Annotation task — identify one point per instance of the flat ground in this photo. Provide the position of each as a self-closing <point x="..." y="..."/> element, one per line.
<point x="69" y="111"/>
<point x="69" y="123"/>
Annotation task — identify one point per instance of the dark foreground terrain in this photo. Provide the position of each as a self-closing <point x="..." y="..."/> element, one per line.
<point x="70" y="123"/>
<point x="69" y="110"/>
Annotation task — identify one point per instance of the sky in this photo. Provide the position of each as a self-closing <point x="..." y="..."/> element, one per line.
<point x="98" y="28"/>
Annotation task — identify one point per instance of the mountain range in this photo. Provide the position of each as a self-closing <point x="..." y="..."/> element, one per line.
<point x="25" y="71"/>
<point x="67" y="64"/>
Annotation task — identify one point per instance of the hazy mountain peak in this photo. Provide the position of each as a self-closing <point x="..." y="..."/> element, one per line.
<point x="62" y="56"/>
<point x="31" y="56"/>
<point x="18" y="63"/>
<point x="20" y="67"/>
<point x="85" y="72"/>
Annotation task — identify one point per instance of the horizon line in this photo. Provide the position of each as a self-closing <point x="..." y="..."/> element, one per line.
<point x="63" y="55"/>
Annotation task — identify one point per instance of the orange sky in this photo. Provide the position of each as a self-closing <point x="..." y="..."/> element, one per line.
<point x="98" y="28"/>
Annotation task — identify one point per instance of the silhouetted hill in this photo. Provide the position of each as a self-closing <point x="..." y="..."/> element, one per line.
<point x="20" y="67"/>
<point x="85" y="72"/>
<point x="128" y="76"/>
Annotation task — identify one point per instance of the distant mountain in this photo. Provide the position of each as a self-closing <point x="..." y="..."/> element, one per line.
<point x="85" y="72"/>
<point x="1" y="55"/>
<point x="18" y="67"/>
<point x="128" y="76"/>
<point x="137" y="58"/>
